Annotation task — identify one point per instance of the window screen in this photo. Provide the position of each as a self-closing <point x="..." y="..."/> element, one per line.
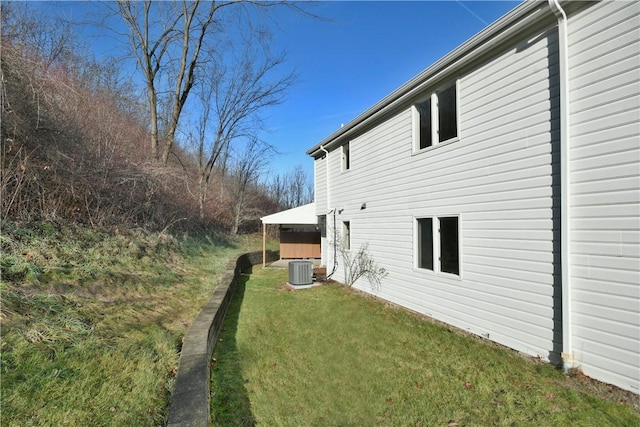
<point x="425" y="243"/>
<point x="424" y="110"/>
<point x="346" y="230"/>
<point x="447" y="117"/>
<point x="345" y="157"/>
<point x="449" y="251"/>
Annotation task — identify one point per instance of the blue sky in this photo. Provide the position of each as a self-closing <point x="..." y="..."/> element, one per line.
<point x="366" y="51"/>
<point x="360" y="53"/>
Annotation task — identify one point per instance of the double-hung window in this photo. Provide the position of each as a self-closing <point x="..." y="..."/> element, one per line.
<point x="425" y="243"/>
<point x="449" y="245"/>
<point x="435" y="119"/>
<point x="346" y="235"/>
<point x="438" y="244"/>
<point x="346" y="158"/>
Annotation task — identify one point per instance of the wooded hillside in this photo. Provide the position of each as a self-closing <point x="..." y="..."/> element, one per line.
<point x="74" y="138"/>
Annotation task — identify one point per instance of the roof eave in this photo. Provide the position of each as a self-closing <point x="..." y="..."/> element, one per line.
<point x="516" y="20"/>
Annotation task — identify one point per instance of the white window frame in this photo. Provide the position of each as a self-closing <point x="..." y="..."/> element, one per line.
<point x="419" y="249"/>
<point x="435" y="122"/>
<point x="346" y="235"/>
<point x="436" y="241"/>
<point x="345" y="152"/>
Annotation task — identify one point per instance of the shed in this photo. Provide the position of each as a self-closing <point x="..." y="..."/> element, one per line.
<point x="299" y="233"/>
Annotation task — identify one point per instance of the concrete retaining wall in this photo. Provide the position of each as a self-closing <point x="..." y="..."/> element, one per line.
<point x="189" y="404"/>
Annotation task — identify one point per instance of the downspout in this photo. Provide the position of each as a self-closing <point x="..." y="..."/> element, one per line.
<point x="335" y="246"/>
<point x="335" y="250"/>
<point x="326" y="170"/>
<point x="565" y="188"/>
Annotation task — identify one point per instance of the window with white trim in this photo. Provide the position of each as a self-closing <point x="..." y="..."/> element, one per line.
<point x="435" y="119"/>
<point x="449" y="245"/>
<point x="346" y="160"/>
<point x="346" y="234"/>
<point x="438" y="244"/>
<point x="425" y="243"/>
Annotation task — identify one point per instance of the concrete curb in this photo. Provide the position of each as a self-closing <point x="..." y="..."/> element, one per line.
<point x="189" y="405"/>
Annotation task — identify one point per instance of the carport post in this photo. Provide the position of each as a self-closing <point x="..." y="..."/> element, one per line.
<point x="264" y="245"/>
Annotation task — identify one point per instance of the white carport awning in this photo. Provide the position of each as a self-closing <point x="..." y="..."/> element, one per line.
<point x="305" y="214"/>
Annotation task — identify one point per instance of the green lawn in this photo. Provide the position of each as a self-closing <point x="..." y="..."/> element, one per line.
<point x="92" y="321"/>
<point x="328" y="356"/>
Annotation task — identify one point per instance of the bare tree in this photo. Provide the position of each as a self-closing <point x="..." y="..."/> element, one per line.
<point x="291" y="189"/>
<point x="247" y="169"/>
<point x="156" y="31"/>
<point x="277" y="191"/>
<point x="42" y="40"/>
<point x="173" y="42"/>
<point x="232" y="97"/>
<point x="298" y="182"/>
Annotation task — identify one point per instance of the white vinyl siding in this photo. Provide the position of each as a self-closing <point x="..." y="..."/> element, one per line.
<point x="499" y="176"/>
<point x="320" y="186"/>
<point x="604" y="41"/>
<point x="501" y="179"/>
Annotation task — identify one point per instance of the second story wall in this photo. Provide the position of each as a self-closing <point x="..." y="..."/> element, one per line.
<point x="497" y="178"/>
<point x="320" y="186"/>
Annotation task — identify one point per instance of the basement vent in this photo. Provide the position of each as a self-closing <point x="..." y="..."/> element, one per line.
<point x="300" y="273"/>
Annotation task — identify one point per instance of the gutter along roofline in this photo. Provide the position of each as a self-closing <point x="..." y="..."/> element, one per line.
<point x="500" y="31"/>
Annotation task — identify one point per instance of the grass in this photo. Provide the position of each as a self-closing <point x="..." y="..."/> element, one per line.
<point x="328" y="356"/>
<point x="92" y="320"/>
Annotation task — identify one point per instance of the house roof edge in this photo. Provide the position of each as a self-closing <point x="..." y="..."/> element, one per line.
<point x="521" y="16"/>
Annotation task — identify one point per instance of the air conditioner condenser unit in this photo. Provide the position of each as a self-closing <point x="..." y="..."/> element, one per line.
<point x="300" y="273"/>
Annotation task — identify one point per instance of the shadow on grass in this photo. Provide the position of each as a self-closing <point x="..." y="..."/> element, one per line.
<point x="230" y="404"/>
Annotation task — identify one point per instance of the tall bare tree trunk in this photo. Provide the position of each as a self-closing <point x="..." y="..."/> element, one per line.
<point x="202" y="195"/>
<point x="237" y="214"/>
<point x="153" y="121"/>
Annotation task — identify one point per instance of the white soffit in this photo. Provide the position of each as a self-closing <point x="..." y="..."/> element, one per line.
<point x="305" y="214"/>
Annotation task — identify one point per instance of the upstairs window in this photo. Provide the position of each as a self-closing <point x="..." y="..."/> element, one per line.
<point x="425" y="131"/>
<point x="447" y="114"/>
<point x="345" y="157"/>
<point x="435" y="119"/>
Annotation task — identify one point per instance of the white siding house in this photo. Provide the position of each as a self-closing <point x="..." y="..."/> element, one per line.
<point x="500" y="188"/>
